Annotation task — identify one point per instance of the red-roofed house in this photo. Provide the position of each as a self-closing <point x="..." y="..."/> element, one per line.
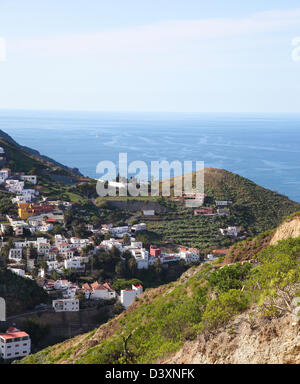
<point x="97" y="291"/>
<point x="14" y="343"/>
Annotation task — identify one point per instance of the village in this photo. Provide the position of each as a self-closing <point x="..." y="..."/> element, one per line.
<point x="58" y="253"/>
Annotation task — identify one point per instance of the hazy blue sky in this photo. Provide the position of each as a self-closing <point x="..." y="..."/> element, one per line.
<point x="150" y="55"/>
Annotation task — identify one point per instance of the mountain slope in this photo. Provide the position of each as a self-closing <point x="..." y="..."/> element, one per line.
<point x="255" y="208"/>
<point x="7" y="140"/>
<point x="213" y="313"/>
<point x="259" y="208"/>
<point x="20" y="293"/>
<point x="247" y="249"/>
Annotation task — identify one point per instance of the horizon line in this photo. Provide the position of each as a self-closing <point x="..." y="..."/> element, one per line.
<point x="151" y="112"/>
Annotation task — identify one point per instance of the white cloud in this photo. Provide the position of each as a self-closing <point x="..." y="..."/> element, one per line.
<point x="158" y="37"/>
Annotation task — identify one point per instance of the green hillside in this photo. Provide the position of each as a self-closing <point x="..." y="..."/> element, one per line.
<point x="202" y="301"/>
<point x="20" y="293"/>
<point x="255" y="208"/>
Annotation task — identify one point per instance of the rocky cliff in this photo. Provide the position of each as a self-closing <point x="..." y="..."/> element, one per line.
<point x="244" y="341"/>
<point x="290" y="228"/>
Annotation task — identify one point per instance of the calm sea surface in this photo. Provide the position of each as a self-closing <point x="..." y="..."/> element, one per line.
<point x="263" y="148"/>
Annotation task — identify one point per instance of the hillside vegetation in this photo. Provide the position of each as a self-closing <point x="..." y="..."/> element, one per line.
<point x="255" y="208"/>
<point x="20" y="293"/>
<point x="203" y="301"/>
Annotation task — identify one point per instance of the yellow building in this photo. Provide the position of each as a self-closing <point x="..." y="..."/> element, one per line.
<point x="25" y="210"/>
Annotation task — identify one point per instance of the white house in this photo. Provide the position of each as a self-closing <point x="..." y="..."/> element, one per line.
<point x="45" y="228"/>
<point x="63" y="247"/>
<point x="44" y="248"/>
<point x="15" y="254"/>
<point x="62" y="284"/>
<point x="66" y="305"/>
<point x="109" y="244"/>
<point x="189" y="255"/>
<point x="141" y="257"/>
<point x="5" y="173"/>
<point x="21" y="199"/>
<point x="59" y="239"/>
<point x="139" y="227"/>
<point x="231" y="231"/>
<point x="75" y="240"/>
<point x="149" y="212"/>
<point x="15" y="186"/>
<point x="68" y="254"/>
<point x="74" y="263"/>
<point x="14" y="343"/>
<point x="169" y="257"/>
<point x="70" y="292"/>
<point x="52" y="265"/>
<point x="96" y="291"/>
<point x="29" y="178"/>
<point x="128" y="295"/>
<point x="119" y="231"/>
<point x="40" y="240"/>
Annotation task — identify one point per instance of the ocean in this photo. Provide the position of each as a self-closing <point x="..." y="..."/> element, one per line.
<point x="263" y="148"/>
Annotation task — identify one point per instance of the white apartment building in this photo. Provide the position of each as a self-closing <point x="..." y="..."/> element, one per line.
<point x="44" y="248"/>
<point x="29" y="178"/>
<point x="14" y="343"/>
<point x="15" y="254"/>
<point x="66" y="305"/>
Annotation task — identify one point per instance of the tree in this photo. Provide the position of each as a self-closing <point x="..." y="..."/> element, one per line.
<point x="119" y="269"/>
<point x="126" y="239"/>
<point x="132" y="266"/>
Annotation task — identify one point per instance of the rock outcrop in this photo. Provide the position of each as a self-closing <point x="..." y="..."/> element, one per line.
<point x="289" y="229"/>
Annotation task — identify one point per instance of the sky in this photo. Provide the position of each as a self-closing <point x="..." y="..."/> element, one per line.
<point x="160" y="55"/>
